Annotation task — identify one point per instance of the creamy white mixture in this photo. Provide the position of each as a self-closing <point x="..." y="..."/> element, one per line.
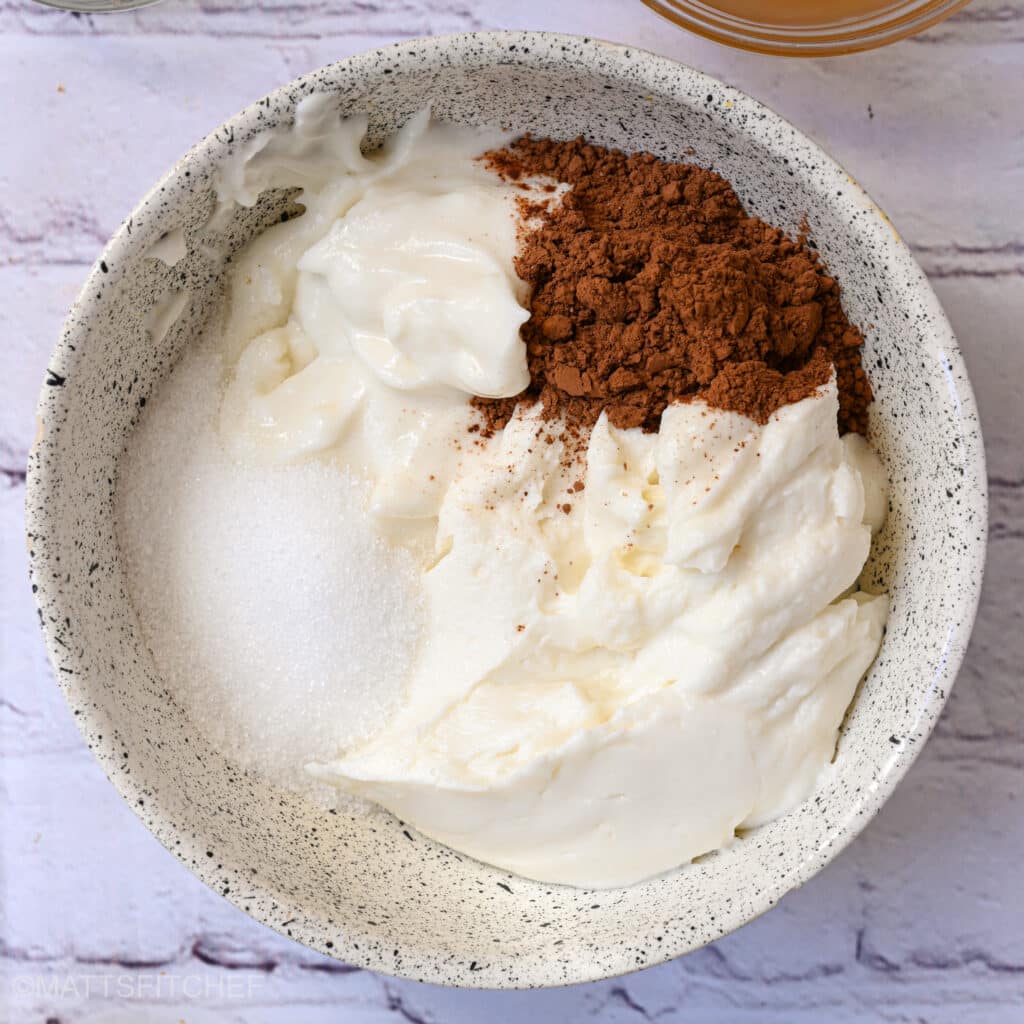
<point x="612" y="679"/>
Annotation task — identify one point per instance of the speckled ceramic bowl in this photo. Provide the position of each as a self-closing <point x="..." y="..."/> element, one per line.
<point x="382" y="896"/>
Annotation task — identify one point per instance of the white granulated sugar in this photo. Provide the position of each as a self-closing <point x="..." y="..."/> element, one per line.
<point x="282" y="623"/>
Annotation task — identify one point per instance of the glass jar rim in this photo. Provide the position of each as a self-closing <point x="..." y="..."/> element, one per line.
<point x="850" y="35"/>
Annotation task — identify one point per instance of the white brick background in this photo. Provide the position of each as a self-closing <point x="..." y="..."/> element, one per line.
<point x="919" y="921"/>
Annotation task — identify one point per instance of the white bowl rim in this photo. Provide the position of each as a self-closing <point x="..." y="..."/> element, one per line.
<point x="436" y="48"/>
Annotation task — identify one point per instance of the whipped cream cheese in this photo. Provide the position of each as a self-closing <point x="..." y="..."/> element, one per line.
<point x="628" y="656"/>
<point x="609" y="692"/>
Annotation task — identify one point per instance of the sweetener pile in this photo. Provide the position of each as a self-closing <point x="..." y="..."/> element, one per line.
<point x="280" y="622"/>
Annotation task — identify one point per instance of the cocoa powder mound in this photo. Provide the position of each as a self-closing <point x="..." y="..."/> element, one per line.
<point x="650" y="284"/>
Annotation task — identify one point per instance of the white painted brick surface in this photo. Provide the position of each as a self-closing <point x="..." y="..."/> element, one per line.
<point x="922" y="919"/>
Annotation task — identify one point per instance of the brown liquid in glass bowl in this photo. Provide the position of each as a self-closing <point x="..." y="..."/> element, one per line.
<point x="801" y="12"/>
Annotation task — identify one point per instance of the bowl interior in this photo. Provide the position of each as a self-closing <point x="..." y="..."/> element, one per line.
<point x="373" y="892"/>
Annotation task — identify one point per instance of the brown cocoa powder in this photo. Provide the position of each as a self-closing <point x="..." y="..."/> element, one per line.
<point x="650" y="284"/>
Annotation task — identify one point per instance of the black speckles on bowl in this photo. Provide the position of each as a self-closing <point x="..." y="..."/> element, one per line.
<point x="371" y="891"/>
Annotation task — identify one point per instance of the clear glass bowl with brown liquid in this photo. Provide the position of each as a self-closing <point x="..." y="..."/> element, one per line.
<point x="805" y="28"/>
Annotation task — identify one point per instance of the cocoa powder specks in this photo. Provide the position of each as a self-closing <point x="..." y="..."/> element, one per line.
<point x="651" y="285"/>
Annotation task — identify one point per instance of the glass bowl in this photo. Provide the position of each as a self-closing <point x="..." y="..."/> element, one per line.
<point x="805" y="29"/>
